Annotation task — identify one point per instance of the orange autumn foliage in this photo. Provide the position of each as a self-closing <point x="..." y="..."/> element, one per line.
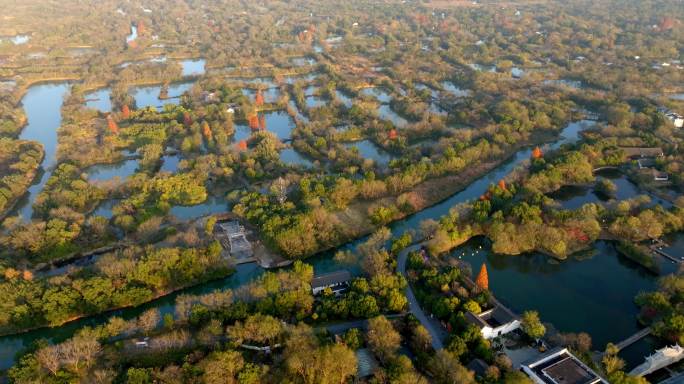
<point x="537" y="153"/>
<point x="111" y="124"/>
<point x="666" y="23"/>
<point x="242" y="145"/>
<point x="11" y="273"/>
<point x="206" y="131"/>
<point x="262" y="122"/>
<point x="253" y="122"/>
<point x="125" y="112"/>
<point x="141" y="27"/>
<point x="27" y="275"/>
<point x="482" y="279"/>
<point x="502" y="184"/>
<point x="259" y="98"/>
<point x="393" y="134"/>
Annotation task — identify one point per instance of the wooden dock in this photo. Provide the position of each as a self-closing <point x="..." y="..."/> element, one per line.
<point x="634" y="338"/>
<point x="656" y="248"/>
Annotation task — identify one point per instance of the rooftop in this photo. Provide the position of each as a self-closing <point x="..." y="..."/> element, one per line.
<point x="562" y="367"/>
<point x="231" y="228"/>
<point x="478" y="366"/>
<point x="329" y="279"/>
<point x="642" y="151"/>
<point x="492" y="318"/>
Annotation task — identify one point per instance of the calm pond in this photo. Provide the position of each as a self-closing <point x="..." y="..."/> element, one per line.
<point x="148" y="95"/>
<point x="592" y="292"/>
<point x="291" y="157"/>
<point x="105" y="172"/>
<point x="368" y="150"/>
<point x="170" y="163"/>
<point x="280" y="123"/>
<point x="99" y="100"/>
<point x="593" y="295"/>
<point x="211" y="205"/>
<point x="193" y="67"/>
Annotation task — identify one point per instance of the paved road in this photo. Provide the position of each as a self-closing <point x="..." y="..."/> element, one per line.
<point x="437" y="332"/>
<point x="337" y="328"/>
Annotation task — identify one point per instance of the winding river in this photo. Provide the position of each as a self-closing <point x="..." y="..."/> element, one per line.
<point x="43" y="108"/>
<point x="591" y="294"/>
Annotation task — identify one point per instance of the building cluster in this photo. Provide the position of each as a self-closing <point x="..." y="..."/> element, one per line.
<point x="232" y="237"/>
<point x="494" y="322"/>
<point x="676" y="119"/>
<point x="559" y="366"/>
<point x="646" y="160"/>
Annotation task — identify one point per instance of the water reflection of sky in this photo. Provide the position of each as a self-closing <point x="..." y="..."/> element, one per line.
<point x="99" y="100"/>
<point x="368" y="150"/>
<point x="105" y="172"/>
<point x="148" y="96"/>
<point x="291" y="157"/>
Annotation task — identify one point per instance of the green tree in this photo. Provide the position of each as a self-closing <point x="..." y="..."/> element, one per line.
<point x="531" y="325"/>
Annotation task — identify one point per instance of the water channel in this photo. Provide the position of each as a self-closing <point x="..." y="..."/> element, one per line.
<point x="592" y="293"/>
<point x="42" y="106"/>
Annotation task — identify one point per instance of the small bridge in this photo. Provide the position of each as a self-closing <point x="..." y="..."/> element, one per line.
<point x="657" y="248"/>
<point x="634" y="338"/>
<point x="606" y="167"/>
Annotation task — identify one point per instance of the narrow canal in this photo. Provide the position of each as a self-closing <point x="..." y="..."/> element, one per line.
<point x="593" y="294"/>
<point x="42" y="106"/>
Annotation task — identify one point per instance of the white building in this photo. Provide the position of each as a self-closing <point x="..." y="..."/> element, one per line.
<point x="337" y="281"/>
<point x="560" y="367"/>
<point x="676" y="119"/>
<point x="660" y="359"/>
<point x="494" y="322"/>
<point x="237" y="244"/>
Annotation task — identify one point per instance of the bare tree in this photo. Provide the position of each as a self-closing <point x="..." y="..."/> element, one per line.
<point x="148" y="320"/>
<point x="103" y="376"/>
<point x="80" y="349"/>
<point x="49" y="358"/>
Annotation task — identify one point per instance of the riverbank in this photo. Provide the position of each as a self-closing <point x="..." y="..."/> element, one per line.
<point x="4" y="332"/>
<point x="31" y="177"/>
<point x="357" y="222"/>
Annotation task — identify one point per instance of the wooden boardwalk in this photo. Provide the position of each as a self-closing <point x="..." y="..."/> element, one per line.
<point x="634" y="338"/>
<point x="656" y="247"/>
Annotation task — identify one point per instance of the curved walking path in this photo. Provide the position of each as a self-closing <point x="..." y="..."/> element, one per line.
<point x="437" y="332"/>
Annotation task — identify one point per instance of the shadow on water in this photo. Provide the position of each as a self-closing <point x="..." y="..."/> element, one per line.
<point x="591" y="292"/>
